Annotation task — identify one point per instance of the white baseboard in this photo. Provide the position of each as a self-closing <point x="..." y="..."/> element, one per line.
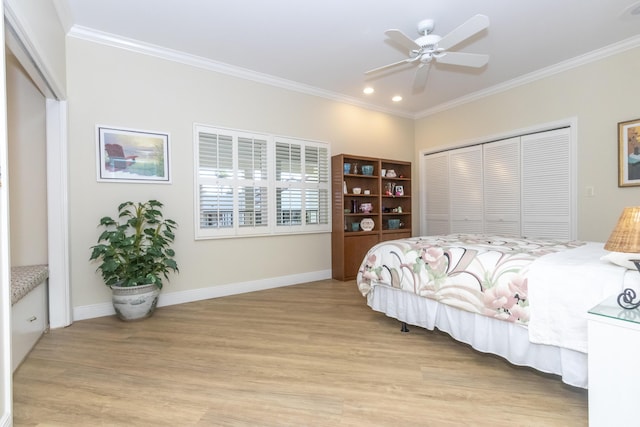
<point x="181" y="297"/>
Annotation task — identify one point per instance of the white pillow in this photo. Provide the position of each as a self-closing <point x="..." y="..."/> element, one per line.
<point x="621" y="259"/>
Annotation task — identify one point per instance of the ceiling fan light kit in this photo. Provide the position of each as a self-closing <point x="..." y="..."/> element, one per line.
<point x="431" y="47"/>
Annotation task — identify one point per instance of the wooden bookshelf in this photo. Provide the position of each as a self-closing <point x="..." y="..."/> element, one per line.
<point x="390" y="201"/>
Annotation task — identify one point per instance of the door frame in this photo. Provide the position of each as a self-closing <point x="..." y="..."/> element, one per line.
<point x="18" y="41"/>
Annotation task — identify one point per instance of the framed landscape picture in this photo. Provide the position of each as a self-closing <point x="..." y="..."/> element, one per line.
<point x="629" y="153"/>
<point x="130" y="155"/>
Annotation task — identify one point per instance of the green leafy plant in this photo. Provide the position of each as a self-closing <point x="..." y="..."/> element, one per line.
<point x="136" y="249"/>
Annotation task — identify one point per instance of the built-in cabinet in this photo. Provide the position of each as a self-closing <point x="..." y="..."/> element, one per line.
<point x="29" y="314"/>
<point x="371" y="203"/>
<point x="516" y="186"/>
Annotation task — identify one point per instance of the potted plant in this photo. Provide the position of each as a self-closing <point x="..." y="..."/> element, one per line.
<point x="135" y="254"/>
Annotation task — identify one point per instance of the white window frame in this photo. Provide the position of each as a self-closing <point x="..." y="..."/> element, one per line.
<point x="272" y="227"/>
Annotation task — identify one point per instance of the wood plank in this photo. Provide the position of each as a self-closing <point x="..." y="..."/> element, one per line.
<point x="310" y="354"/>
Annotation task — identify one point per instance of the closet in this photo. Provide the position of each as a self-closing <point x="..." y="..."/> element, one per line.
<point x="28" y="221"/>
<point x="517" y="186"/>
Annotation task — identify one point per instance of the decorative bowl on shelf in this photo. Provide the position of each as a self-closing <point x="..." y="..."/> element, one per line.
<point x="394" y="224"/>
<point x="391" y="173"/>
<point x="367" y="169"/>
<point x="367" y="224"/>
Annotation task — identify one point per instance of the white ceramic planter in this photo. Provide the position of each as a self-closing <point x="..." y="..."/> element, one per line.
<point x="135" y="302"/>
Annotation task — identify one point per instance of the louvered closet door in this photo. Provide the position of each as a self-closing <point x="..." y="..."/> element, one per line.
<point x="436" y="194"/>
<point x="546" y="184"/>
<point x="501" y="170"/>
<point x="466" y="190"/>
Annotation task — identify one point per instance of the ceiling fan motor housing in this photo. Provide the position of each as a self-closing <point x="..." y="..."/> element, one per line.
<point x="428" y="42"/>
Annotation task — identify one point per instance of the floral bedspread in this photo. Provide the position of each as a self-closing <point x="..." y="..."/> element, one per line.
<point x="478" y="273"/>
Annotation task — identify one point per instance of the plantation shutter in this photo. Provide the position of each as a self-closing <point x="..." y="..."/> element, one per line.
<point x="252" y="184"/>
<point x="253" y="177"/>
<point x="288" y="184"/>
<point x="215" y="171"/>
<point x="316" y="172"/>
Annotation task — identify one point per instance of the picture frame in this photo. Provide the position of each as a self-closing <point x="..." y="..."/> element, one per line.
<point x="629" y="153"/>
<point x="399" y="190"/>
<point x="132" y="155"/>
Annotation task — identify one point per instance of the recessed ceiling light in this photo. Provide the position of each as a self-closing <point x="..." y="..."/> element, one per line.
<point x="396" y="98"/>
<point x="368" y="90"/>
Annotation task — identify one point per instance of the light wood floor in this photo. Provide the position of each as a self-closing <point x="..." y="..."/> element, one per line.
<point x="307" y="355"/>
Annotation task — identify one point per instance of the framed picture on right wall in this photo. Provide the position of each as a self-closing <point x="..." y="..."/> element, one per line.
<point x="629" y="153"/>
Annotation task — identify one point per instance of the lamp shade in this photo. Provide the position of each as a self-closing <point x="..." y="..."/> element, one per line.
<point x="626" y="236"/>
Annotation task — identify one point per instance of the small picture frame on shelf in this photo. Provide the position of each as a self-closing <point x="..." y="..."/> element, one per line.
<point x="399" y="190"/>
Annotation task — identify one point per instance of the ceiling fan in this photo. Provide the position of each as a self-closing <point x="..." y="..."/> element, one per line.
<point x="430" y="47"/>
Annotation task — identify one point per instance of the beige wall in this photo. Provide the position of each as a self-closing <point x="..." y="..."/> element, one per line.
<point x="115" y="87"/>
<point x="27" y="167"/>
<point x="39" y="21"/>
<point x="599" y="95"/>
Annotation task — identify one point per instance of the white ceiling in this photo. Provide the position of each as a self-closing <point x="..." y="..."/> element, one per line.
<point x="324" y="47"/>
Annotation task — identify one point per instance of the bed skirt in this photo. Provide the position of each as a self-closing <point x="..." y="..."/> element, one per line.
<point x="506" y="339"/>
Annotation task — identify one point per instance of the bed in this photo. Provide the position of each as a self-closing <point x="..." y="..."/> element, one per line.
<point x="523" y="299"/>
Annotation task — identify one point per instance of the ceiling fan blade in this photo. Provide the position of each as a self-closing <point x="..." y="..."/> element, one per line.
<point x="422" y="73"/>
<point x="384" y="67"/>
<point x="473" y="26"/>
<point x="402" y="39"/>
<point x="464" y="59"/>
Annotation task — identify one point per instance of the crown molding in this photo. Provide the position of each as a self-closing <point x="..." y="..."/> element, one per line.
<point x="578" y="61"/>
<point x="137" y="46"/>
<point x="63" y="9"/>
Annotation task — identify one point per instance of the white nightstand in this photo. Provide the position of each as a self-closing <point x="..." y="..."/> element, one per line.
<point x="614" y="364"/>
